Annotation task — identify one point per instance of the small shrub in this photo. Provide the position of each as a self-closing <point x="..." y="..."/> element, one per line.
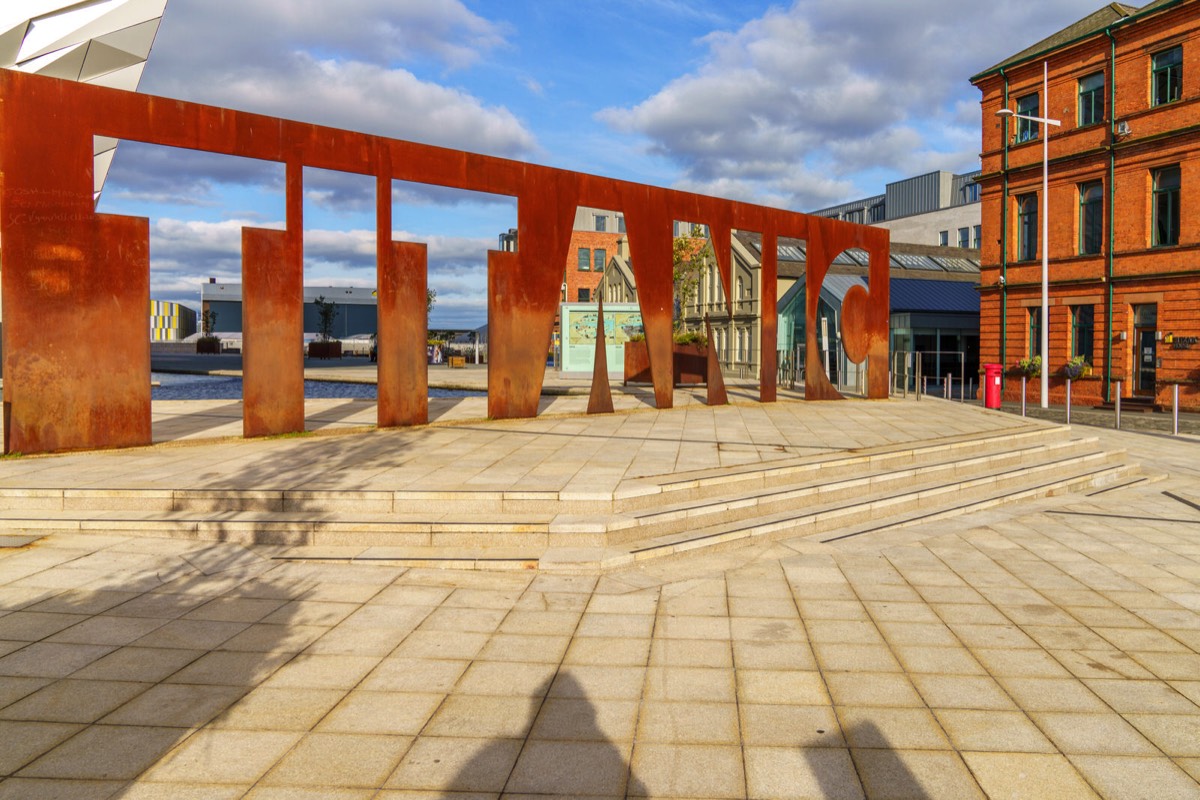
<point x="1076" y="368"/>
<point x="1030" y="367"/>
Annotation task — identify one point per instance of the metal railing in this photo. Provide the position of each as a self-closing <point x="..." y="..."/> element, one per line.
<point x="907" y="374"/>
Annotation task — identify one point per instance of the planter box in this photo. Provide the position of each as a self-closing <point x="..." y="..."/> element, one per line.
<point x="325" y="350"/>
<point x="689" y="367"/>
<point x="208" y="346"/>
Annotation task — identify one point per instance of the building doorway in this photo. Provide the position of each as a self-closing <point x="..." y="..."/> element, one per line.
<point x="1145" y="348"/>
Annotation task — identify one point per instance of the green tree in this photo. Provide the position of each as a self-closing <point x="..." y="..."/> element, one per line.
<point x="327" y="312"/>
<point x="691" y="255"/>
<point x="208" y="320"/>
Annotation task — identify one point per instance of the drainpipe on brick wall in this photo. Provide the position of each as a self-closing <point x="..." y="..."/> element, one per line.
<point x="1112" y="197"/>
<point x="1004" y="243"/>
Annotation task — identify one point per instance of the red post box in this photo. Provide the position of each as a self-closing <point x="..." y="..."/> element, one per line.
<point x="992" y="375"/>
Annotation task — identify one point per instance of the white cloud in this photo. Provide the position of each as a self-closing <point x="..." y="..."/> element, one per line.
<point x="350" y="65"/>
<point x="185" y="254"/>
<point x="794" y="105"/>
<point x="213" y="32"/>
<point x="365" y="97"/>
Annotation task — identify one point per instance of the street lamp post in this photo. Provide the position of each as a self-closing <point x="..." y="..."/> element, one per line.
<point x="1045" y="326"/>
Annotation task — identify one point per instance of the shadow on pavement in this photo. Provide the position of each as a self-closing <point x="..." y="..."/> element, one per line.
<point x="114" y="655"/>
<point x="565" y="753"/>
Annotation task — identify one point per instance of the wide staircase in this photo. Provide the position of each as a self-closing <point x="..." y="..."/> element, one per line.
<point x="825" y="498"/>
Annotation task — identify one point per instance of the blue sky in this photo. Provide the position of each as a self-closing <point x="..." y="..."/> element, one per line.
<point x="799" y="105"/>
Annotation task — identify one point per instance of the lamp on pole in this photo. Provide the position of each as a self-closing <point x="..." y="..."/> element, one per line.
<point x="1045" y="326"/>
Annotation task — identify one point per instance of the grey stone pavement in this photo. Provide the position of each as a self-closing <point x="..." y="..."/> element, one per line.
<point x="1048" y="650"/>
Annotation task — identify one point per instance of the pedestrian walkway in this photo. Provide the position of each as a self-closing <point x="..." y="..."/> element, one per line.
<point x="1050" y="649"/>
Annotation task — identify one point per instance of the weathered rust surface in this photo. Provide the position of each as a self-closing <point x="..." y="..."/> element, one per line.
<point x="649" y="227"/>
<point x="77" y="371"/>
<point x="67" y="269"/>
<point x="716" y="381"/>
<point x="767" y="360"/>
<point x="403" y="388"/>
<point x="272" y="335"/>
<point x="865" y="311"/>
<point x="600" y="399"/>
<point x="523" y="293"/>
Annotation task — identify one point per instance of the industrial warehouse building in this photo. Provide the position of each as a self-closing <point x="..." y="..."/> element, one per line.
<point x="355" y="307"/>
<point x="171" y="322"/>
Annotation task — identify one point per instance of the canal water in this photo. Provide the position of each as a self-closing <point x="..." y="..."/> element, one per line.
<point x="215" y="387"/>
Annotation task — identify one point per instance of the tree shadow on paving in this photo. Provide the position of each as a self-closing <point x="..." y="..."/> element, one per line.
<point x="565" y="753"/>
<point x="102" y="678"/>
<point x="293" y="462"/>
<point x="170" y="424"/>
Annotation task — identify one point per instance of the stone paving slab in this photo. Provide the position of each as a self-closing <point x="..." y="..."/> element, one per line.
<point x="562" y="451"/>
<point x="1048" y="650"/>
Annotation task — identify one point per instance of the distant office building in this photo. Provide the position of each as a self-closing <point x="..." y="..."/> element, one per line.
<point x="939" y="208"/>
<point x="595" y="236"/>
<point x="170" y="322"/>
<point x="934" y="305"/>
<point x="355" y="308"/>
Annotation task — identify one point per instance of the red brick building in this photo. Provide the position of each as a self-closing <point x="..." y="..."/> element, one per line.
<point x="1124" y="197"/>
<point x="593" y="242"/>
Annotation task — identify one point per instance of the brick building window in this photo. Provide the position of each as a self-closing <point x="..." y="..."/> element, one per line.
<point x="1083" y="331"/>
<point x="585" y="295"/>
<point x="585" y="259"/>
<point x="1035" y="332"/>
<point x="1091" y="99"/>
<point x="964" y="237"/>
<point x="1166" y="77"/>
<point x="1091" y="217"/>
<point x="1027" y="227"/>
<point x="600" y="259"/>
<point x="1027" y="129"/>
<point x="1166" y="206"/>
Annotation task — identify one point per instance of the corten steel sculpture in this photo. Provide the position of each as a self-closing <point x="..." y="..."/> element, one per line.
<point x="600" y="400"/>
<point x="75" y="285"/>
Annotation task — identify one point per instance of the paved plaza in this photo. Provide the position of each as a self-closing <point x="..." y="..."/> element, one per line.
<point x="1049" y="649"/>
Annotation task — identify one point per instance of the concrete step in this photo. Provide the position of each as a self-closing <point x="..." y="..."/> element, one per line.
<point x="727" y="506"/>
<point x="632" y="495"/>
<point x="835" y="494"/>
<point x="685" y="486"/>
<point x="296" y="528"/>
<point x="834" y="522"/>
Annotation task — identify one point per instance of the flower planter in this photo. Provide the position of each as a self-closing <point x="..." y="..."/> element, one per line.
<point x="331" y="349"/>
<point x="689" y="367"/>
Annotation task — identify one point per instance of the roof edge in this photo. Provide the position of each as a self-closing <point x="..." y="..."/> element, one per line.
<point x="1015" y="61"/>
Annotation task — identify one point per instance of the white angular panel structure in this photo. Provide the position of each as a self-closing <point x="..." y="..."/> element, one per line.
<point x="95" y="41"/>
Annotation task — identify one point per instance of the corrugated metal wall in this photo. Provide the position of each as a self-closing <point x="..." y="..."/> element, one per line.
<point x="170" y="322"/>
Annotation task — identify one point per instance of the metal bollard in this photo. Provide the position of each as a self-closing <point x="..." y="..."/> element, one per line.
<point x="1175" y="410"/>
<point x="1118" y="405"/>
<point x="1068" y="401"/>
<point x="1024" y="381"/>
